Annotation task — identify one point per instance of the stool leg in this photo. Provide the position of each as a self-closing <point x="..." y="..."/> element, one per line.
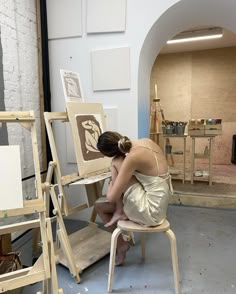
<point x="143" y="245"/>
<point x="114" y="238"/>
<point x="174" y="256"/>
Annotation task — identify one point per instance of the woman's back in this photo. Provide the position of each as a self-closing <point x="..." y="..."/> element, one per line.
<point x="149" y="158"/>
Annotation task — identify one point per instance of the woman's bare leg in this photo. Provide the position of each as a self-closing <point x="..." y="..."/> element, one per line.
<point x="119" y="213"/>
<point x="106" y="210"/>
<point x="110" y="213"/>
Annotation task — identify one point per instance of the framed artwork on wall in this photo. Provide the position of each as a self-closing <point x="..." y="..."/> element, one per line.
<point x="72" y="87"/>
<point x="111" y="69"/>
<point x="64" y="18"/>
<point x="106" y="16"/>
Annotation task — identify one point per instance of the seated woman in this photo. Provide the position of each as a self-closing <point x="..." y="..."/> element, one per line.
<point x="140" y="185"/>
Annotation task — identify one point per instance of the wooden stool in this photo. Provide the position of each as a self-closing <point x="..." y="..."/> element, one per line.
<point x="130" y="226"/>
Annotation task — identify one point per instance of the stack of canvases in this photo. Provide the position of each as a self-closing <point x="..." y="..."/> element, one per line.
<point x="205" y="127"/>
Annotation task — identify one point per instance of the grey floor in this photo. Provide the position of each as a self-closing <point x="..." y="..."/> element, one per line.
<point x="206" y="240"/>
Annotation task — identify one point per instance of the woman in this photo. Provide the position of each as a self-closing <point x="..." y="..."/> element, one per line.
<point x="140" y="185"/>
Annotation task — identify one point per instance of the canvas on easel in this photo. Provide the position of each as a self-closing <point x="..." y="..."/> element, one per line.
<point x="85" y="246"/>
<point x="87" y="123"/>
<point x="44" y="269"/>
<point x="10" y="195"/>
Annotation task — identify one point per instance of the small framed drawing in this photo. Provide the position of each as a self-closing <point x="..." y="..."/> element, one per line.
<point x="87" y="121"/>
<point x="71" y="86"/>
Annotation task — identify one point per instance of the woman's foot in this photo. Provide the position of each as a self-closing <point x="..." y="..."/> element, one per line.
<point x="116" y="216"/>
<point x="121" y="253"/>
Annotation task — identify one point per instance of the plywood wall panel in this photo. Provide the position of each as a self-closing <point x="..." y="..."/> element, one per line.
<point x="214" y="84"/>
<point x="200" y="84"/>
<point x="172" y="74"/>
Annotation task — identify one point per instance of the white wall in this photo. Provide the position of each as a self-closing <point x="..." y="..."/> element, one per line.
<point x="75" y="54"/>
<point x="20" y="71"/>
<point x="149" y="24"/>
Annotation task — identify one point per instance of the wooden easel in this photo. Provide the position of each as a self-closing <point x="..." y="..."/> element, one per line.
<point x="44" y="270"/>
<point x="79" y="250"/>
<point x="154" y="122"/>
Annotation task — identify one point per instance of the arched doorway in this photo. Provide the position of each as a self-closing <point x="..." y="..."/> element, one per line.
<point x="181" y="16"/>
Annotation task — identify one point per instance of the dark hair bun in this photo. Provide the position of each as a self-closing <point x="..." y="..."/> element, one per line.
<point x="124" y="145"/>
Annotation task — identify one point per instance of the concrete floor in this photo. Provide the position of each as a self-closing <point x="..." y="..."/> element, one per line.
<point x="206" y="240"/>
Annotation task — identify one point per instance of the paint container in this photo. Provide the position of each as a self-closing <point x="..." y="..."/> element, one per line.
<point x="169" y="130"/>
<point x="180" y="130"/>
<point x="164" y="129"/>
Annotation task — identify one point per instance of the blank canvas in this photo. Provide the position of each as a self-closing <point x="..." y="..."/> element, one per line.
<point x="64" y="18"/>
<point x="111" y="116"/>
<point x="106" y="16"/>
<point x="11" y="196"/>
<point x="111" y="69"/>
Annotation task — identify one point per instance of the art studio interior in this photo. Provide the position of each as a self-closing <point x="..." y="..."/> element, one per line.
<point x="73" y="69"/>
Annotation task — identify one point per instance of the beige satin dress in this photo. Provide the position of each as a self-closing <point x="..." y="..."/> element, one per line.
<point x="146" y="202"/>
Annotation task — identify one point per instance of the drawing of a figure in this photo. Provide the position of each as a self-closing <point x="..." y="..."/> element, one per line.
<point x="92" y="132"/>
<point x="72" y="87"/>
<point x="89" y="131"/>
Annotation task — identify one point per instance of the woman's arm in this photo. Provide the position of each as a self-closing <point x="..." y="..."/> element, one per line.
<point x="123" y="177"/>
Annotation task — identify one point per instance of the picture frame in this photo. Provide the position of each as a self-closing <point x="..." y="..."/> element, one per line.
<point x="72" y="86"/>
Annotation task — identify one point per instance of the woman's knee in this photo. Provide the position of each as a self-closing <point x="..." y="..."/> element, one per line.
<point x="99" y="207"/>
<point x="104" y="207"/>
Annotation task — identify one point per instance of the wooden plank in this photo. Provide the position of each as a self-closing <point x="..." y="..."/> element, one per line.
<point x="19" y="226"/>
<point x="203" y="200"/>
<point x="50" y="116"/>
<point x="30" y="206"/>
<point x="17" y="116"/>
<point x="88" y="245"/>
<point x="20" y="279"/>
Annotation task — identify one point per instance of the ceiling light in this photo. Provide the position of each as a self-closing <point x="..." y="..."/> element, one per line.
<point x="197" y="35"/>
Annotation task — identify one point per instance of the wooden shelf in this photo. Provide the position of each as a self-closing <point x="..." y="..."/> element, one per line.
<point x="182" y="153"/>
<point x="208" y="157"/>
<point x="201" y="155"/>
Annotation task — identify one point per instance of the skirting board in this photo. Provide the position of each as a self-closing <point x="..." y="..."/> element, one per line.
<point x="204" y="200"/>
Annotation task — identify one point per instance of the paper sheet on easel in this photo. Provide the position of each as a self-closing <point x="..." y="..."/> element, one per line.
<point x="11" y="195"/>
<point x="92" y="179"/>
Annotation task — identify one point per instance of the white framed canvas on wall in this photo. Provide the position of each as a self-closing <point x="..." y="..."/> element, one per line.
<point x="105" y="16"/>
<point x="111" y="69"/>
<point x="64" y="18"/>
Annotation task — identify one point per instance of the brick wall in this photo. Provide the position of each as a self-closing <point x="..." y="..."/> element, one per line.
<point x="20" y="73"/>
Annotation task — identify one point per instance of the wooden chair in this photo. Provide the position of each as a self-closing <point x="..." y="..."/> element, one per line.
<point x="131" y="227"/>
